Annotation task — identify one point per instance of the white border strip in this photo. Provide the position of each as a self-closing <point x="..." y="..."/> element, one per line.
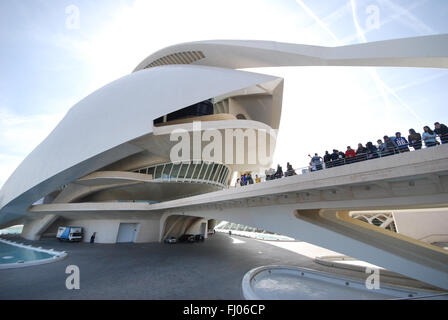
<point x="57" y="255"/>
<point x="395" y="291"/>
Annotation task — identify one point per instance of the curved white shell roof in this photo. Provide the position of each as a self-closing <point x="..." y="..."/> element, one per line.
<point x="96" y="130"/>
<point x="426" y="51"/>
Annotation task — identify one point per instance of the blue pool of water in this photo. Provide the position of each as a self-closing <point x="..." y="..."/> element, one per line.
<point x="12" y="230"/>
<point x="12" y="254"/>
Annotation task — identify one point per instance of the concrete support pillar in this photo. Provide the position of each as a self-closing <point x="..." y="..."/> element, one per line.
<point x="211" y="224"/>
<point x="33" y="229"/>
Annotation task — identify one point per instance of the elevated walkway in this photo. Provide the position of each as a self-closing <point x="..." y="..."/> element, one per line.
<point x="294" y="206"/>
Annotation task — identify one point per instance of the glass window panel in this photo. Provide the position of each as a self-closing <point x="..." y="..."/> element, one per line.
<point x="205" y="171"/>
<point x="226" y="176"/>
<point x="198" y="170"/>
<point x="158" y="172"/>
<point x="216" y="174"/>
<point x="210" y="172"/>
<point x="183" y="170"/>
<point x="167" y="170"/>
<point x="191" y="170"/>
<point x="213" y="174"/>
<point x="175" y="171"/>
<point x="221" y="176"/>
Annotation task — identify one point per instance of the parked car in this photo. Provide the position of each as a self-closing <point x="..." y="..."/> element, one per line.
<point x="199" y="237"/>
<point x="73" y="234"/>
<point x="187" y="238"/>
<point x="170" y="240"/>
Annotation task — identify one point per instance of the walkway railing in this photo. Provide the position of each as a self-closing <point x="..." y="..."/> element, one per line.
<point x="372" y="154"/>
<point x="340" y="161"/>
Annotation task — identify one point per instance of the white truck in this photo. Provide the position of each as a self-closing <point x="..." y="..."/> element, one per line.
<point x="70" y="234"/>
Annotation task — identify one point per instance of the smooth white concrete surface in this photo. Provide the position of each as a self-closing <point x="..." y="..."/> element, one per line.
<point x="424" y="51"/>
<point x="107" y="230"/>
<point x="430" y="225"/>
<point x="306" y="249"/>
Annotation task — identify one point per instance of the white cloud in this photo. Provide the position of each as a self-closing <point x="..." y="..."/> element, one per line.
<point x="19" y="135"/>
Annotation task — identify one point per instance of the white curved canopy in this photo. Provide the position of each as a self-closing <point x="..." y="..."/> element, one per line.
<point x="426" y="51"/>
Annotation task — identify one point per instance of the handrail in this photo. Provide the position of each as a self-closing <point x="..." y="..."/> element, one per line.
<point x="362" y="157"/>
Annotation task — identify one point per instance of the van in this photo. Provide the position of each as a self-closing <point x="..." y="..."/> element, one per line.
<point x="70" y="234"/>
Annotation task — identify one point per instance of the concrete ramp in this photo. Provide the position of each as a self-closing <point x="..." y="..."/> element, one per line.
<point x="385" y="248"/>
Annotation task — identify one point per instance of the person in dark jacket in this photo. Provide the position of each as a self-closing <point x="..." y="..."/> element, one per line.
<point x="335" y="158"/>
<point x="289" y="170"/>
<point x="361" y="153"/>
<point x="372" y="151"/>
<point x="415" y="139"/>
<point x="391" y="147"/>
<point x="279" y="172"/>
<point x="442" y="132"/>
<point x="92" y="238"/>
<point x="327" y="159"/>
<point x="249" y="179"/>
<point x="243" y="180"/>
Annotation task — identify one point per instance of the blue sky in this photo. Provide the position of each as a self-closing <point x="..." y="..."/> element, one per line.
<point x="47" y="65"/>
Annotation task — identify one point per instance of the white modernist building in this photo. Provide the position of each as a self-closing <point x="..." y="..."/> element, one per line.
<point x="107" y="165"/>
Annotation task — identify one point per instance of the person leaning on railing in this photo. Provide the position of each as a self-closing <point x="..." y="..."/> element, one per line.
<point x="381" y="147"/>
<point x="415" y="139"/>
<point x="279" y="172"/>
<point x="372" y="151"/>
<point x="442" y="131"/>
<point x="401" y="142"/>
<point x="316" y="162"/>
<point x="327" y="159"/>
<point x="289" y="170"/>
<point x="350" y="155"/>
<point x="361" y="153"/>
<point x="270" y="174"/>
<point x="335" y="158"/>
<point x="429" y="137"/>
<point x="391" y="147"/>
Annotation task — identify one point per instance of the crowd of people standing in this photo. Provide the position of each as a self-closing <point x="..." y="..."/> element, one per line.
<point x="246" y="178"/>
<point x="386" y="147"/>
